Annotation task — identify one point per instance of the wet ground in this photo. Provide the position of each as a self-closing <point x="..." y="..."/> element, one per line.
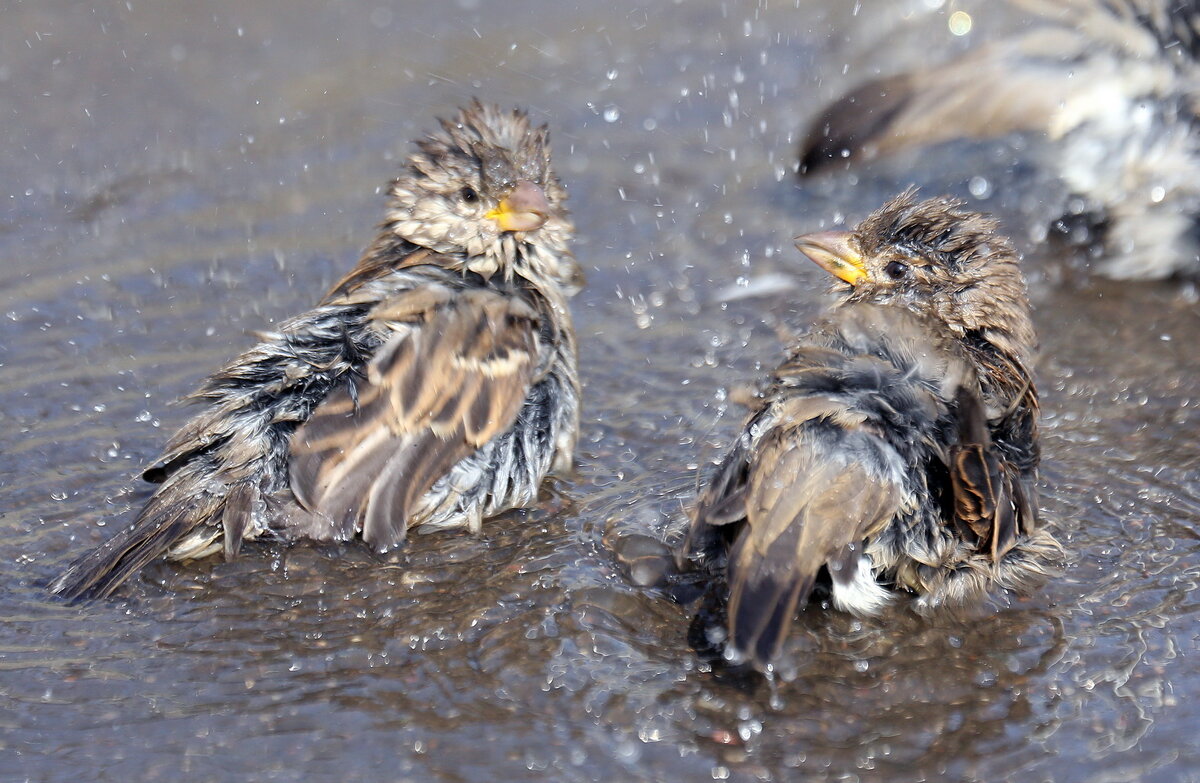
<point x="175" y="177"/>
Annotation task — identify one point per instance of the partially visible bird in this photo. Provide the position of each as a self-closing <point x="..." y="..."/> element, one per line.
<point x="436" y="384"/>
<point x="896" y="448"/>
<point x="1111" y="86"/>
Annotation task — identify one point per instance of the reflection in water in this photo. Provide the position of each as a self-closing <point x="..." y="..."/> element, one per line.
<point x="151" y="241"/>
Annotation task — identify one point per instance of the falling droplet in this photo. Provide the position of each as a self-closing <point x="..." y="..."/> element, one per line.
<point x="960" y="23"/>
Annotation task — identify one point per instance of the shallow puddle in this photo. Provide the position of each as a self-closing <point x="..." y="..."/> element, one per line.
<point x="176" y="179"/>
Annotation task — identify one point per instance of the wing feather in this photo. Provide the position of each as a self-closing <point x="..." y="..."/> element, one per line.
<point x="804" y="507"/>
<point x="988" y="495"/>
<point x="453" y="376"/>
<point x="1008" y="87"/>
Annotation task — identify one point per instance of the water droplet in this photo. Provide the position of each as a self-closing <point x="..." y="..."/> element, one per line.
<point x="612" y="114"/>
<point x="748" y="729"/>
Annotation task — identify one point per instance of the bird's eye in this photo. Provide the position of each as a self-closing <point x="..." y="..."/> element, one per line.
<point x="469" y="195"/>
<point x="896" y="269"/>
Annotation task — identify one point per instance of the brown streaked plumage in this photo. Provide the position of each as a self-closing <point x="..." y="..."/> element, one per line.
<point x="896" y="448"/>
<point x="1109" y="91"/>
<point x="436" y="384"/>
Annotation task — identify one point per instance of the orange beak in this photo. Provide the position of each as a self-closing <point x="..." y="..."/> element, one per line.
<point x="835" y="252"/>
<point x="525" y="208"/>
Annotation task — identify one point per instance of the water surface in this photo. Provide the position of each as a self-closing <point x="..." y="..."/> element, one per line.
<point x="176" y="177"/>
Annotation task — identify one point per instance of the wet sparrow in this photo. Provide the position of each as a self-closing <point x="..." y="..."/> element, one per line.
<point x="1111" y="87"/>
<point x="896" y="448"/>
<point x="436" y="384"/>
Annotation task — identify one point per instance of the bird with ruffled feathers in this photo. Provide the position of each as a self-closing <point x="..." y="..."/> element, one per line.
<point x="1106" y="94"/>
<point x="435" y="384"/>
<point x="894" y="453"/>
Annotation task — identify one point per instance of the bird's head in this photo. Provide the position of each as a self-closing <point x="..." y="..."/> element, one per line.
<point x="481" y="192"/>
<point x="934" y="258"/>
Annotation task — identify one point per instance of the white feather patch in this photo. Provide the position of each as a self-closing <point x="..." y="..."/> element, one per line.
<point x="863" y="596"/>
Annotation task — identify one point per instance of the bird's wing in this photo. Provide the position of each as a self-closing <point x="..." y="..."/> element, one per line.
<point x="990" y="496"/>
<point x="453" y="376"/>
<point x="811" y="492"/>
<point x="991" y="92"/>
<point x="719" y="507"/>
<point x="1086" y="61"/>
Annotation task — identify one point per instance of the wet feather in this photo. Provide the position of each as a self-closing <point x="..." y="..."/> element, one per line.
<point x="1110" y="87"/>
<point x="418" y="391"/>
<point x="894" y="452"/>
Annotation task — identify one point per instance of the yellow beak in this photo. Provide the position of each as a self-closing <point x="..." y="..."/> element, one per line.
<point x="525" y="208"/>
<point x="835" y="252"/>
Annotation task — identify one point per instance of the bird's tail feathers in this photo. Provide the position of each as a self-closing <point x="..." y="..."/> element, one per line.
<point x="766" y="589"/>
<point x="166" y="520"/>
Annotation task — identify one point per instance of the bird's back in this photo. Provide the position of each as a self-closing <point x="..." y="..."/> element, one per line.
<point x="826" y="462"/>
<point x="225" y="475"/>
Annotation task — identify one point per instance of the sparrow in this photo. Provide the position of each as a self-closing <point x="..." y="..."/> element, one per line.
<point x="435" y="384"/>
<point x="1111" y="86"/>
<point x="894" y="453"/>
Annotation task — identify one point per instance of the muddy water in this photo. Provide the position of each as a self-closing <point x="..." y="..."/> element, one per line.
<point x="174" y="179"/>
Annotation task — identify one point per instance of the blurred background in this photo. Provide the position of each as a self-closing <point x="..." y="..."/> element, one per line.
<point x="176" y="176"/>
